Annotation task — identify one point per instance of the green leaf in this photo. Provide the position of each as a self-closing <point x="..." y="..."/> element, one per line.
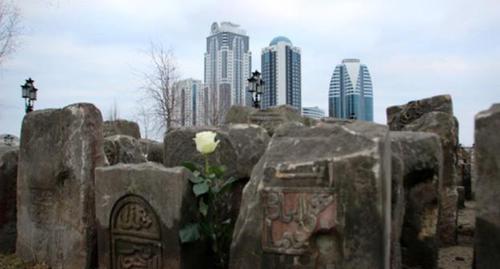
<point x="190" y="166"/>
<point x="195" y="179"/>
<point x="228" y="183"/>
<point x="189" y="233"/>
<point x="200" y="188"/>
<point x="218" y="171"/>
<point x="203" y="207"/>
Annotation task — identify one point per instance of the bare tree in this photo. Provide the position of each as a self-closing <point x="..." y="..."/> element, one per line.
<point x="160" y="88"/>
<point x="113" y="114"/>
<point x="216" y="111"/>
<point x="9" y="28"/>
<point x="143" y="116"/>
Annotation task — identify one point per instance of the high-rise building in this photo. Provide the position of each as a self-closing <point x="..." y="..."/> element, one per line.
<point x="313" y="112"/>
<point x="227" y="65"/>
<point x="351" y="92"/>
<point x="185" y="101"/>
<point x="281" y="73"/>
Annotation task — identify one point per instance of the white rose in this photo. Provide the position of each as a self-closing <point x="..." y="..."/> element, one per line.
<point x="205" y="142"/>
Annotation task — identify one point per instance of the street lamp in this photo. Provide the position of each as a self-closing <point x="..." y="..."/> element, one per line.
<point x="29" y="94"/>
<point x="8" y="140"/>
<point x="255" y="88"/>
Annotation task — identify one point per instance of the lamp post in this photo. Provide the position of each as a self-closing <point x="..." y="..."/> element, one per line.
<point x="256" y="88"/>
<point x="8" y="140"/>
<point x="29" y="94"/>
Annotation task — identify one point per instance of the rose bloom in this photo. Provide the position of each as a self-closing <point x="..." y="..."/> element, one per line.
<point x="205" y="142"/>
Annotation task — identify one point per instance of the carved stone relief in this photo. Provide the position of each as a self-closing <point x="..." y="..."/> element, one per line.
<point x="135" y="235"/>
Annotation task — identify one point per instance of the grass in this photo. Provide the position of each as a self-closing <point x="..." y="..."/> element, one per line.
<point x="11" y="261"/>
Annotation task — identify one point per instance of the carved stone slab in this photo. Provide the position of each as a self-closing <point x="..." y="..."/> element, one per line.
<point x="292" y="216"/>
<point x="140" y="209"/>
<point x="135" y="235"/>
<point x="318" y="198"/>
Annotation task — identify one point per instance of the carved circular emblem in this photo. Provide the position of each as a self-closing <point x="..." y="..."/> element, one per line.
<point x="135" y="234"/>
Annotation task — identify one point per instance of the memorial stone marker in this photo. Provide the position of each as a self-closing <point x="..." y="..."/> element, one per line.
<point x="487" y="162"/>
<point x="123" y="149"/>
<point x="59" y="150"/>
<point x="318" y="198"/>
<point x="140" y="209"/>
<point x="8" y="179"/>
<point x="420" y="166"/>
<point x="435" y="115"/>
<point x="121" y="127"/>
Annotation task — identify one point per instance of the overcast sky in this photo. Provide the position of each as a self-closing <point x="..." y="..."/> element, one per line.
<point x="96" y="50"/>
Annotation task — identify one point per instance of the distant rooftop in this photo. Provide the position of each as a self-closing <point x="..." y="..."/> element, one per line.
<point x="279" y="39"/>
<point x="226" y="26"/>
<point x="350" y="61"/>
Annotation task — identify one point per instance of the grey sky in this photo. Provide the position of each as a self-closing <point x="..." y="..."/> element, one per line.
<point x="96" y="50"/>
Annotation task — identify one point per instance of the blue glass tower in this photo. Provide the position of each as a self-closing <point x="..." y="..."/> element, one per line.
<point x="351" y="91"/>
<point x="281" y="73"/>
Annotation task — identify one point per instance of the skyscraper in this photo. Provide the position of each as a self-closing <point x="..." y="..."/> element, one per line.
<point x="351" y="92"/>
<point x="281" y="73"/>
<point x="227" y="65"/>
<point x="185" y="101"/>
<point x="313" y="112"/>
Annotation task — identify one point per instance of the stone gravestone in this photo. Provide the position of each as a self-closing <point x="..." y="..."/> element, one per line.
<point x="318" y="198"/>
<point x="487" y="154"/>
<point x="123" y="149"/>
<point x="240" y="148"/>
<point x="152" y="149"/>
<point x="271" y="118"/>
<point x="59" y="151"/>
<point x="121" y="127"/>
<point x="140" y="209"/>
<point x="416" y="176"/>
<point x="435" y="115"/>
<point x="8" y="179"/>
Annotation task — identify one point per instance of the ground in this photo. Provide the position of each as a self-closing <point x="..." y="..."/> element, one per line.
<point x="455" y="257"/>
<point x="460" y="256"/>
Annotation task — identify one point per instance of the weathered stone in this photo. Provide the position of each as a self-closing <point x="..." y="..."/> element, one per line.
<point x="123" y="149"/>
<point x="487" y="154"/>
<point x="121" y="127"/>
<point x="152" y="149"/>
<point x="8" y="179"/>
<point x="239" y="114"/>
<point x="473" y="173"/>
<point x="397" y="201"/>
<point x="240" y="148"/>
<point x="318" y="198"/>
<point x="399" y="116"/>
<point x="273" y="117"/>
<point x="435" y="115"/>
<point x="464" y="171"/>
<point x="59" y="151"/>
<point x="461" y="197"/>
<point x="140" y="209"/>
<point x="417" y="166"/>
